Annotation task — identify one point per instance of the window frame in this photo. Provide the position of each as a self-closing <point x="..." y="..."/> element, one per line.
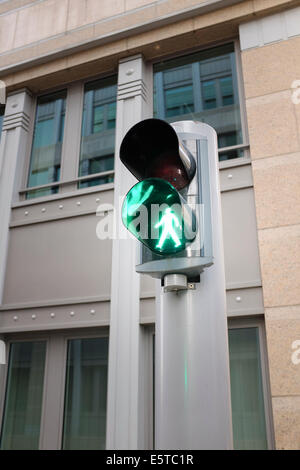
<point x="31" y="142"/>
<point x="65" y="337"/>
<point x="20" y="338"/>
<point x="28" y="151"/>
<point x="52" y="420"/>
<point x="240" y="323"/>
<point x="245" y="146"/>
<point x="70" y="155"/>
<point x="103" y="173"/>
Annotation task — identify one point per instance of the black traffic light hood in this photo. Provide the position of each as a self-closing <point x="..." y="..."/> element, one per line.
<point x="151" y="149"/>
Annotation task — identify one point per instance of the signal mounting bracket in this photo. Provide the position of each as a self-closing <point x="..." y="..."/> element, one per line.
<point x="175" y="282"/>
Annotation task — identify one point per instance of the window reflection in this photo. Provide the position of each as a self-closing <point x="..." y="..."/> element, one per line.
<point x="24" y="393"/>
<point x="47" y="143"/>
<point x="202" y="87"/>
<point x="248" y="414"/>
<point x="179" y="101"/>
<point x="85" y="400"/>
<point x="98" y="131"/>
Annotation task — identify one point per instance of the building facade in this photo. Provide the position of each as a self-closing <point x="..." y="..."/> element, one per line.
<point x="78" y="75"/>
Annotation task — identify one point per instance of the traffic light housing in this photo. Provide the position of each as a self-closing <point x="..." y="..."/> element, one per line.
<point x="151" y="149"/>
<point x="168" y="210"/>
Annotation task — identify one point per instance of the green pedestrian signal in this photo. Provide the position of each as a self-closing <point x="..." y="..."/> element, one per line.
<point x="167" y="221"/>
<point x="157" y="215"/>
<point x="169" y="209"/>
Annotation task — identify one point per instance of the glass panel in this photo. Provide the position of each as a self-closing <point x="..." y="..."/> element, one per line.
<point x="228" y="155"/>
<point x="226" y="86"/>
<point x="98" y="131"/>
<point x="248" y="415"/>
<point x="85" y="401"/>
<point x="47" y="143"/>
<point x="201" y="87"/>
<point x="209" y="94"/>
<point x="179" y="101"/>
<point x="24" y="393"/>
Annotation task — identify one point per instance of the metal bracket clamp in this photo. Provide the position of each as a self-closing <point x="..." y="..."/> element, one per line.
<point x="175" y="282"/>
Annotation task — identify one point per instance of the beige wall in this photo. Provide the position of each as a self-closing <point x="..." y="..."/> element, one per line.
<point x="52" y="42"/>
<point x="274" y="128"/>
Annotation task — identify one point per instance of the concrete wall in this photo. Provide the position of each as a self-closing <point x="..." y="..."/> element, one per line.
<point x="270" y="66"/>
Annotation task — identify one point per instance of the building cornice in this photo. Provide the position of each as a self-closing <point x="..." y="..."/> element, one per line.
<point x="60" y="52"/>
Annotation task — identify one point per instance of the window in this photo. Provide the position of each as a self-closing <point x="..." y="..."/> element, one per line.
<point x="45" y="162"/>
<point x="69" y="412"/>
<point x="24" y="393"/>
<point x="98" y="132"/>
<point x="203" y="87"/>
<point x="73" y="144"/>
<point x="247" y="394"/>
<point x="85" y="399"/>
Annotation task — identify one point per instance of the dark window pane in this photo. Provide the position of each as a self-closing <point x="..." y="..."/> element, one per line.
<point x="209" y="94"/>
<point x="24" y="393"/>
<point x="41" y="192"/>
<point x="47" y="143"/>
<point x="96" y="181"/>
<point x="98" y="130"/>
<point x="227" y="91"/>
<point x="230" y="154"/>
<point x="227" y="139"/>
<point x="179" y="100"/>
<point x="248" y="415"/>
<point x="201" y="87"/>
<point x="85" y="400"/>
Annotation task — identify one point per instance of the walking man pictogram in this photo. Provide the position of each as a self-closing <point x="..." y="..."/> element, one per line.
<point x="167" y="221"/>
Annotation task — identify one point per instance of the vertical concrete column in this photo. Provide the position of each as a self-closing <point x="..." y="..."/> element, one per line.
<point x="12" y="152"/>
<point x="125" y="348"/>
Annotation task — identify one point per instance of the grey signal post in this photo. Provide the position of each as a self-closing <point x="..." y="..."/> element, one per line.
<point x="192" y="379"/>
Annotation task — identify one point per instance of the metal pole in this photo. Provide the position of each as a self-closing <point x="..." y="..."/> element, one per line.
<point x="192" y="397"/>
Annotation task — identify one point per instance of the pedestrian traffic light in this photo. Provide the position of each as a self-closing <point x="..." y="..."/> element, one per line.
<point x="154" y="211"/>
<point x="164" y="210"/>
<point x="156" y="214"/>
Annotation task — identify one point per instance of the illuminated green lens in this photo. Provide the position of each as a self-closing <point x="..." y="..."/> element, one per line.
<point x="156" y="214"/>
